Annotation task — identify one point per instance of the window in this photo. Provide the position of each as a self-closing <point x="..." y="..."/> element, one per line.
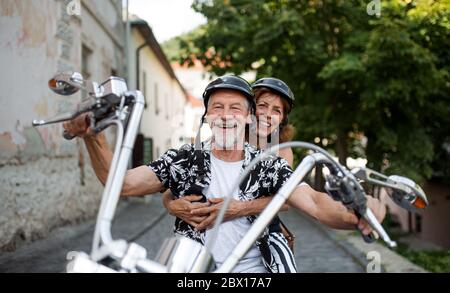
<point x="86" y="56"/>
<point x="86" y="66"/>
<point x="148" y="150"/>
<point x="142" y="151"/>
<point x="418" y="223"/>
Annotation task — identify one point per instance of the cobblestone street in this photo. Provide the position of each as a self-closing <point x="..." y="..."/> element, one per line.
<point x="148" y="224"/>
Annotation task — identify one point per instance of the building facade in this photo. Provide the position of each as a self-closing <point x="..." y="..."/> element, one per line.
<point x="194" y="79"/>
<point x="431" y="225"/>
<point x="162" y="123"/>
<point x="46" y="181"/>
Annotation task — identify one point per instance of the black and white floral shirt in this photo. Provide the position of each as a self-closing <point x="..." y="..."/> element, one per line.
<point x="188" y="171"/>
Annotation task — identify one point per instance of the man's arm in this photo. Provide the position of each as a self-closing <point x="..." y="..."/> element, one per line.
<point x="256" y="206"/>
<point x="322" y="208"/>
<point x="330" y="212"/>
<point x="139" y="181"/>
<point x="100" y="155"/>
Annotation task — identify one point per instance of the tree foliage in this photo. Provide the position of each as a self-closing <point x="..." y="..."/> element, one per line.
<point x="365" y="85"/>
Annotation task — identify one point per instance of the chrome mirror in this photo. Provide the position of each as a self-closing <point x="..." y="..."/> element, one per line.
<point x="66" y="83"/>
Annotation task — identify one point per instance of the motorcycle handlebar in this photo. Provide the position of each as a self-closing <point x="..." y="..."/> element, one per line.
<point x="83" y="107"/>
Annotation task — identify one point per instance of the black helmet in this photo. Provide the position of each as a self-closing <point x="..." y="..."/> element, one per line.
<point x="276" y="85"/>
<point x="231" y="82"/>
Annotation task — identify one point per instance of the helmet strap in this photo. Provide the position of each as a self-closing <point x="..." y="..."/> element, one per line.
<point x="198" y="143"/>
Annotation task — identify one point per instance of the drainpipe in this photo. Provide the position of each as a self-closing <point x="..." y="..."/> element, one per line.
<point x="138" y="65"/>
<point x="127" y="41"/>
<point x="138" y="75"/>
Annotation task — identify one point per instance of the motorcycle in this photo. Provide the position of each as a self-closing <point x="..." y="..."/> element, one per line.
<point x="111" y="103"/>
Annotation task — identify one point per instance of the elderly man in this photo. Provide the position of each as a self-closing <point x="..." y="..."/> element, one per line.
<point x="211" y="169"/>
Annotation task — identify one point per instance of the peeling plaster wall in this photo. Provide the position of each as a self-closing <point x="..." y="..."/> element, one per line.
<point x="41" y="195"/>
<point x="46" y="181"/>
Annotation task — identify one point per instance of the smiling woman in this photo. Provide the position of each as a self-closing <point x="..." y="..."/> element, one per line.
<point x="274" y="102"/>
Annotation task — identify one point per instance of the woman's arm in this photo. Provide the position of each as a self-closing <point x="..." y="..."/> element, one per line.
<point x="288" y="155"/>
<point x="236" y="209"/>
<point x="182" y="207"/>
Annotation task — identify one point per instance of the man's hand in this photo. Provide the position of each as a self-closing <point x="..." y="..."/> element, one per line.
<point x="233" y="211"/>
<point x="378" y="209"/>
<point x="183" y="206"/>
<point x="79" y="126"/>
<point x="333" y="213"/>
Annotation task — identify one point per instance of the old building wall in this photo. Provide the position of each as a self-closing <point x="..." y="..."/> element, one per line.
<point x="46" y="181"/>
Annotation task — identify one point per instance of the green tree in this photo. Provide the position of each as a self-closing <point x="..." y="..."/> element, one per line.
<point x="173" y="47"/>
<point x="354" y="75"/>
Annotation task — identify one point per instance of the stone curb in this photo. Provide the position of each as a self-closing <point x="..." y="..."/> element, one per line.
<point x="354" y="245"/>
<point x="391" y="261"/>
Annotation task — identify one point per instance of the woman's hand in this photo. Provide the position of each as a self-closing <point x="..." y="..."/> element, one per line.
<point x="183" y="206"/>
<point x="210" y="213"/>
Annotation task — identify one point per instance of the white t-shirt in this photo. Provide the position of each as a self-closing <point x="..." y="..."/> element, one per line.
<point x="223" y="177"/>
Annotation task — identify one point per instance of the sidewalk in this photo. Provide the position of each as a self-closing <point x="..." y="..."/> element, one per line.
<point x="317" y="249"/>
